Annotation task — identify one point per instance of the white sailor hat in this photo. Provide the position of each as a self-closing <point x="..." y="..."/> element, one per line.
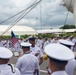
<point x="66" y="42"/>
<point x="5" y="53"/>
<point x="71" y="36"/>
<point x="25" y="44"/>
<point x="32" y="38"/>
<point x="58" y="52"/>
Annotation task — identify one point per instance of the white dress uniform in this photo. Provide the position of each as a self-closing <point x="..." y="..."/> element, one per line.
<point x="46" y="43"/>
<point x="1" y="44"/>
<point x="52" y="41"/>
<point x="59" y="73"/>
<point x="59" y="52"/>
<point x="39" y="43"/>
<point x="35" y="50"/>
<point x="7" y="69"/>
<point x="17" y="47"/>
<point x="70" y="67"/>
<point x="8" y="44"/>
<point x="27" y="63"/>
<point x="74" y="41"/>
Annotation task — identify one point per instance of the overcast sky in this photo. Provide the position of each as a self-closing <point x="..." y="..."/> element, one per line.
<point x="52" y="13"/>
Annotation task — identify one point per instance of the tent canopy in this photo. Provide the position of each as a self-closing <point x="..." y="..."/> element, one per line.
<point x="55" y="30"/>
<point x="18" y="30"/>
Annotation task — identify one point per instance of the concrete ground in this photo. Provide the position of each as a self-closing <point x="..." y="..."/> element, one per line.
<point x="42" y="67"/>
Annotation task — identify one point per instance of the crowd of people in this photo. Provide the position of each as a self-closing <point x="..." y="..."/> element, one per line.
<point x="59" y="50"/>
<point x="40" y="42"/>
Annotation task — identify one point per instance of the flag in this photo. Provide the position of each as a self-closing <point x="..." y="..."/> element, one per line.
<point x="15" y="44"/>
<point x="14" y="40"/>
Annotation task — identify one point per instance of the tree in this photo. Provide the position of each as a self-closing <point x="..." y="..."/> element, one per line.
<point x="68" y="27"/>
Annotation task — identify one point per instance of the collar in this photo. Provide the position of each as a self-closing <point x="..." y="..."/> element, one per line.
<point x="3" y="66"/>
<point x="28" y="52"/>
<point x="59" y="73"/>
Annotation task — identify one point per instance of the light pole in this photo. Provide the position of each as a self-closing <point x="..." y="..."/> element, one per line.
<point x="41" y="15"/>
<point x="36" y="23"/>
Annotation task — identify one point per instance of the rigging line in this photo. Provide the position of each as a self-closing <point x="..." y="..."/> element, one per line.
<point x="67" y="12"/>
<point x="19" y="17"/>
<point x="66" y="16"/>
<point x="13" y="23"/>
<point x="27" y="11"/>
<point x="16" y="20"/>
<point x="17" y="13"/>
<point x="22" y="17"/>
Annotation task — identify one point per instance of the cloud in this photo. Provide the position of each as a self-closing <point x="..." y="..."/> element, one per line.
<point x="27" y="22"/>
<point x="53" y="15"/>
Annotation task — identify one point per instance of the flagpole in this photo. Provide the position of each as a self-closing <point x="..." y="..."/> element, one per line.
<point x="36" y="24"/>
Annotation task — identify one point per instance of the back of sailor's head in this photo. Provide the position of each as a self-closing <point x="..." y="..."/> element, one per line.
<point x="58" y="52"/>
<point x="66" y="43"/>
<point x="25" y="45"/>
<point x="5" y="53"/>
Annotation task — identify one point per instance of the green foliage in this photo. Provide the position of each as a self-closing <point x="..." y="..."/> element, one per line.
<point x="45" y="35"/>
<point x="49" y="35"/>
<point x="68" y="27"/>
<point x="69" y="34"/>
<point x="5" y="37"/>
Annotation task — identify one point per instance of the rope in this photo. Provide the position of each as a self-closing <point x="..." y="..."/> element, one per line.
<point x="66" y="16"/>
<point x="21" y="16"/>
<point x="67" y="13"/>
<point x="17" y="13"/>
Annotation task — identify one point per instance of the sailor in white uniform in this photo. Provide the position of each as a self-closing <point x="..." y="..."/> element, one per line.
<point x="1" y="44"/>
<point x="74" y="41"/>
<point x="70" y="67"/>
<point x="27" y="64"/>
<point x="58" y="58"/>
<point x="66" y="43"/>
<point x="5" y="68"/>
<point x="36" y="51"/>
<point x="46" y="42"/>
<point x="39" y="42"/>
